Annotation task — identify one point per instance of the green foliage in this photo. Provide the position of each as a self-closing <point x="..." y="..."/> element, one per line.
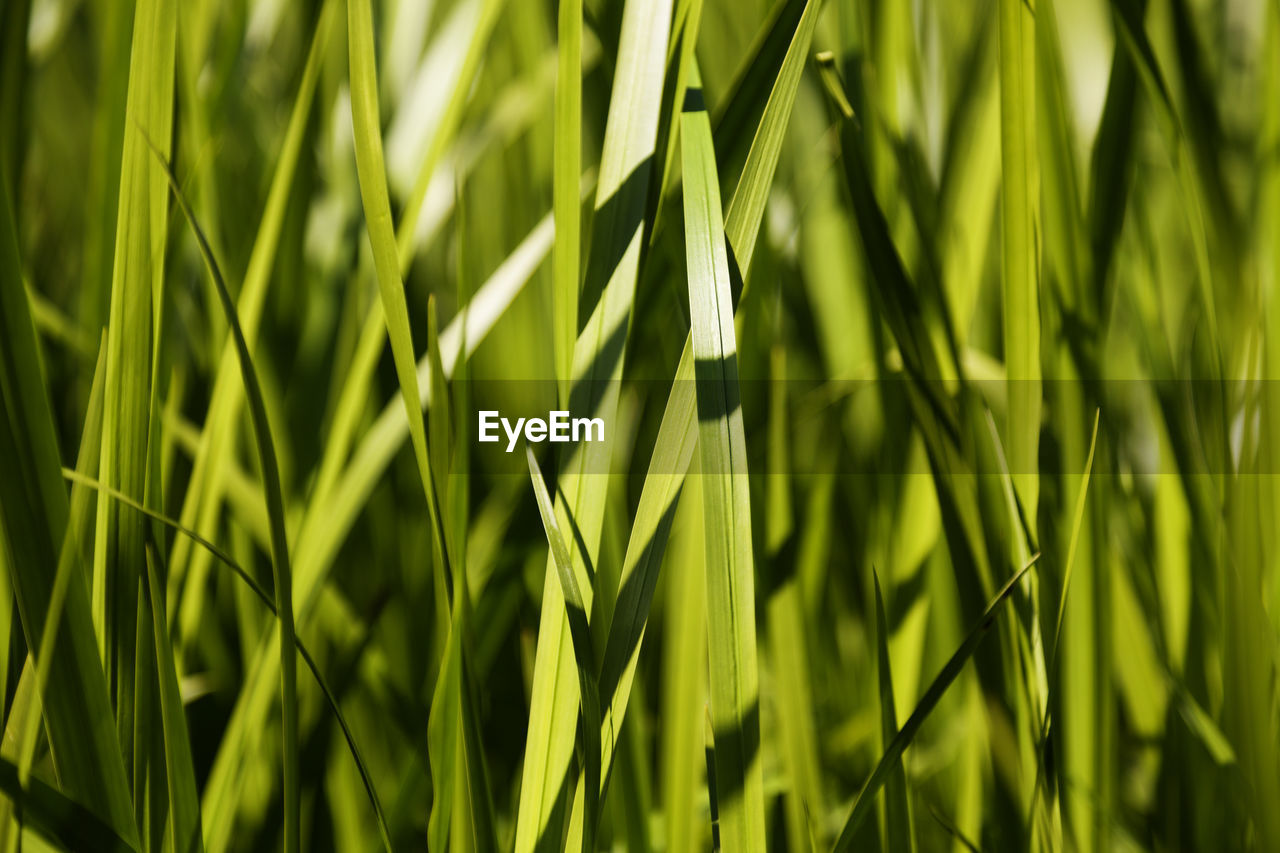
<point x="936" y="347"/>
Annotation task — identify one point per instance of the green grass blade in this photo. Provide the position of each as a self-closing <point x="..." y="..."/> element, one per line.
<point x="275" y="512"/>
<point x="377" y="208"/>
<point x="673" y="448"/>
<point x="730" y="564"/>
<point x="613" y="264"/>
<point x="33" y="521"/>
<point x="897" y="808"/>
<point x="137" y="288"/>
<point x="746" y="209"/>
<point x="568" y="165"/>
<point x="1020" y="250"/>
<point x="184" y="803"/>
<point x="684" y="674"/>
<point x="580" y="631"/>
<point x="928" y="701"/>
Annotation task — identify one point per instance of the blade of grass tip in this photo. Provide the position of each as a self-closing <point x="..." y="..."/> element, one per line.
<point x="222" y="557"/>
<point x="580" y="631"/>
<point x="566" y="169"/>
<point x="613" y="265"/>
<point x="184" y="803"/>
<point x="897" y="808"/>
<point x="276" y="516"/>
<point x="928" y="701"/>
<point x="722" y="445"/>
<point x="33" y="520"/>
<point x="1077" y="519"/>
<point x="1019" y="258"/>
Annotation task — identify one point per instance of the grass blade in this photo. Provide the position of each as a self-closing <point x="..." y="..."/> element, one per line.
<point x="184" y="804"/>
<point x="722" y="450"/>
<point x="275" y="513"/>
<point x="1020" y="251"/>
<point x="897" y="808"/>
<point x="580" y="631"/>
<point x="568" y="165"/>
<point x="137" y="297"/>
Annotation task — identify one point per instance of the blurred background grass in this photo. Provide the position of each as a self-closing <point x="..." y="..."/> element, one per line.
<point x="1012" y="289"/>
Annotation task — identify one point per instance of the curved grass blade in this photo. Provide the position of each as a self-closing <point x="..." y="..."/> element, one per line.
<point x="227" y="560"/>
<point x="276" y="516"/>
<point x="580" y="631"/>
<point x="202" y="501"/>
<point x="928" y="701"/>
<point x="722" y="450"/>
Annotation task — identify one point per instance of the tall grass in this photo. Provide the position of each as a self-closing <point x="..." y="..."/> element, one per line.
<point x="936" y="348"/>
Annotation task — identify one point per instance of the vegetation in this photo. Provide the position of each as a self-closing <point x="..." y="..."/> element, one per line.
<point x="937" y="351"/>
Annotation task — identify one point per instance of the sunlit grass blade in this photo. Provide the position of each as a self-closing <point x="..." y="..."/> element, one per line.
<point x="735" y="699"/>
<point x="928" y="701"/>
<point x="136" y="309"/>
<point x="568" y="160"/>
<point x="673" y="448"/>
<point x="33" y="520"/>
<point x="580" y="630"/>
<point x="275" y="512"/>
<point x="898" y="833"/>
<point x="613" y="265"/>
<point x="684" y="674"/>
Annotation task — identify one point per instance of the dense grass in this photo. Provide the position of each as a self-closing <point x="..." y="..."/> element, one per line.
<point x="938" y="348"/>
